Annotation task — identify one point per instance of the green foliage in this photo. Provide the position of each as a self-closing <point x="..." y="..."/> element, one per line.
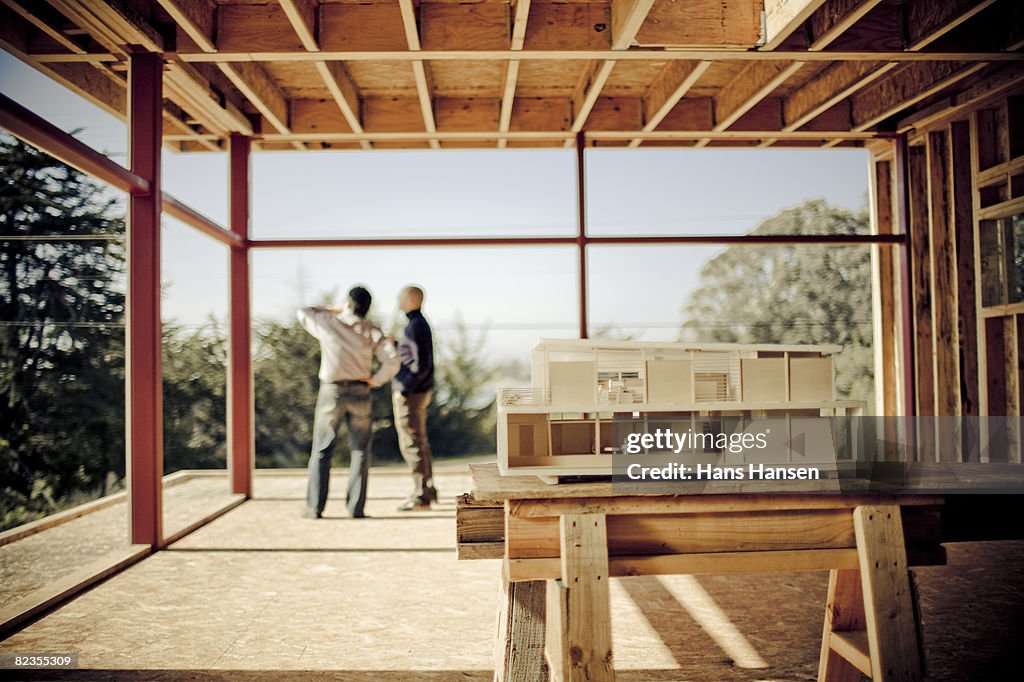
<point x="61" y="334"/>
<point x="195" y="398"/>
<point x="793" y="294"/>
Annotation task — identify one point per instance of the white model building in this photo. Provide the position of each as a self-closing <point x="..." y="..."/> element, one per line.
<point x="587" y="395"/>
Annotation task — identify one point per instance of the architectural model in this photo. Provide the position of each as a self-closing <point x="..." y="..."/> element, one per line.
<point x="587" y="396"/>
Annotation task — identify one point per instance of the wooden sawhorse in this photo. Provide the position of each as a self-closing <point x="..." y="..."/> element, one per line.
<point x="560" y="545"/>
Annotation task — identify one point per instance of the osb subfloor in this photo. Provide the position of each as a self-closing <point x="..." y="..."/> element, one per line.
<point x="263" y="594"/>
<point x="34" y="561"/>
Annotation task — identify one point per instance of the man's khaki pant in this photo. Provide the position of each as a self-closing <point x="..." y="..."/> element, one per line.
<point x="411" y="425"/>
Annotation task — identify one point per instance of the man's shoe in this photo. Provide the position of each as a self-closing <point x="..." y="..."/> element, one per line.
<point x="414" y="504"/>
<point x="361" y="516"/>
<point x="308" y="513"/>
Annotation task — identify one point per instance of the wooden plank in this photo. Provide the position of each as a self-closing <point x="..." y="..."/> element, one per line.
<point x="943" y="269"/>
<point x="963" y="228"/>
<point x="844" y="612"/>
<point x="639" y="534"/>
<point x="911" y="84"/>
<point x="925" y="17"/>
<point x="25" y="608"/>
<point x="585" y="624"/>
<point x="834" y="18"/>
<point x="478" y="26"/>
<point x="833" y="85"/>
<point x="370" y="27"/>
<point x="707" y="504"/>
<point x="627" y="16"/>
<point x="34" y="17"/>
<point x="752" y="85"/>
<point x="197" y="18"/>
<point x="852" y="646"/>
<point x="712" y="563"/>
<point x="888" y="609"/>
<point x="301" y="15"/>
<point x="884" y="290"/>
<point x="556" y="607"/>
<point x="472" y="551"/>
<point x="520" y="644"/>
<point x="511" y="75"/>
<point x="783" y="17"/>
<point x="712" y="23"/>
<point x="667" y="90"/>
<point x="921" y="281"/>
<point x="420" y="70"/>
<point x="261" y="90"/>
<point x="256" y="28"/>
<point x="344" y="93"/>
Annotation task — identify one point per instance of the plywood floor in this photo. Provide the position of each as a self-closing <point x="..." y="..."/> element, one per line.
<point x="263" y="594"/>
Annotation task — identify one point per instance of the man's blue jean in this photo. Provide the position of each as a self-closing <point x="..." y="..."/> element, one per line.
<point x="338" y="402"/>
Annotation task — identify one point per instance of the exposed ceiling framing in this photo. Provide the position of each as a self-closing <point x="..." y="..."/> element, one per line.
<point x="310" y="74"/>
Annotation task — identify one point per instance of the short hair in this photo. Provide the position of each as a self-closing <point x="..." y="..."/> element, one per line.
<point x="361" y="300"/>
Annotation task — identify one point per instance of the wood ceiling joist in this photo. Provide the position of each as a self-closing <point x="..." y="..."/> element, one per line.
<point x="508" y="89"/>
<point x="920" y="80"/>
<point x="420" y="69"/>
<point x="749" y="88"/>
<point x="927" y="21"/>
<point x="783" y="17"/>
<point x="627" y="18"/>
<point x="665" y="92"/>
<point x="301" y="15"/>
<point x="834" y="18"/>
<point x="21" y="8"/>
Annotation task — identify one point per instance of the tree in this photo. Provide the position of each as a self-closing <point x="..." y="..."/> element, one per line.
<point x="195" y="398"/>
<point x="793" y="293"/>
<point x="61" y="332"/>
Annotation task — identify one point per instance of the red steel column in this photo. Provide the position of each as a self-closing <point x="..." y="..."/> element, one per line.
<point x="902" y="226"/>
<point x="581" y="234"/>
<point x="241" y="434"/>
<point x="143" y="345"/>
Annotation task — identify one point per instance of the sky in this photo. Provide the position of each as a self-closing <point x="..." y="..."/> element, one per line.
<point x="514" y="295"/>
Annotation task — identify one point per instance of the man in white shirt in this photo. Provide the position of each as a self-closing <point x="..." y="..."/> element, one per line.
<point x="348" y="344"/>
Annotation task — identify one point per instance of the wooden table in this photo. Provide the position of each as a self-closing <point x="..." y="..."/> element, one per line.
<point x="560" y="544"/>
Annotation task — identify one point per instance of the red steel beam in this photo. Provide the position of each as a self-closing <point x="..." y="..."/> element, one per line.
<point x="40" y="133"/>
<point x="754" y="239"/>
<point x="241" y="433"/>
<point x="581" y="229"/>
<point x="143" y="384"/>
<point x="178" y="209"/>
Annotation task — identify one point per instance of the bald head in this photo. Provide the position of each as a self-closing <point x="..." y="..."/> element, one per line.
<point x="410" y="298"/>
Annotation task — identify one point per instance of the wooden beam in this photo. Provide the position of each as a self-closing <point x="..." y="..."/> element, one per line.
<point x="927" y="20"/>
<point x="634" y="54"/>
<point x="302" y="16"/>
<point x="748" y="88"/>
<point x="833" y="85"/>
<point x="917" y="180"/>
<point x="420" y="70"/>
<point x="904" y="88"/>
<point x="627" y="17"/>
<point x="35" y="18"/>
<point x="667" y="89"/>
<point x="508" y="90"/>
<point x="833" y="19"/>
<point x="261" y="90"/>
<point x="782" y="17"/>
<point x="197" y="18"/>
<point x="962" y="196"/>
<point x="344" y="93"/>
<point x="944" y="287"/>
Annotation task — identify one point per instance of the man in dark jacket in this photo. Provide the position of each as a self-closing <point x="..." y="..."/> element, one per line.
<point x="410" y="391"/>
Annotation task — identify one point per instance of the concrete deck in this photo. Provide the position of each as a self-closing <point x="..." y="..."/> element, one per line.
<point x="261" y="593"/>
